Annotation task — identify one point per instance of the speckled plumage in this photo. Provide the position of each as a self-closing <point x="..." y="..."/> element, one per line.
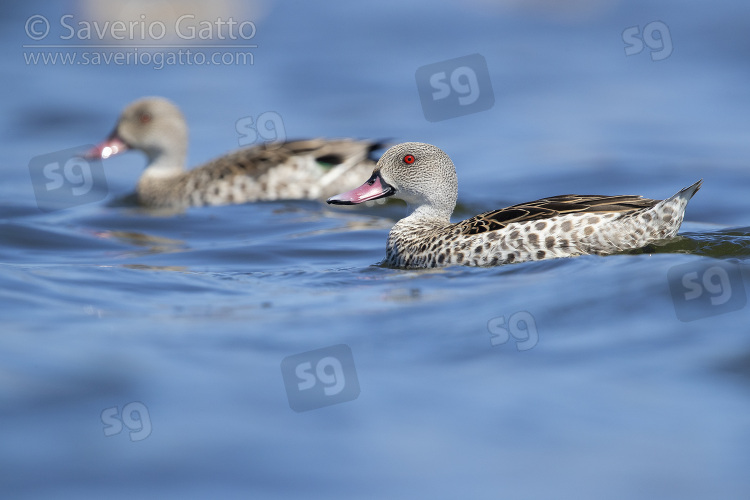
<point x="560" y="226"/>
<point x="305" y="169"/>
<point x="285" y="171"/>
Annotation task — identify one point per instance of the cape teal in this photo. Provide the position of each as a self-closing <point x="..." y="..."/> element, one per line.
<point x="560" y="226"/>
<point x="306" y="169"/>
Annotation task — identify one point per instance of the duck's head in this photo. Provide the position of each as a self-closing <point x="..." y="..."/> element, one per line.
<point x="420" y="174"/>
<point x="153" y="125"/>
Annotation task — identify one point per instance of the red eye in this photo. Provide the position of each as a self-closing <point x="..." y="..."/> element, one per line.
<point x="145" y="118"/>
<point x="409" y="159"/>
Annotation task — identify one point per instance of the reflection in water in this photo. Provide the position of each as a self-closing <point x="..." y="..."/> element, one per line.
<point x="402" y="295"/>
<point x="349" y="225"/>
<point x="130" y="203"/>
<point x="718" y="244"/>
<point x="152" y="244"/>
<point x="146" y="267"/>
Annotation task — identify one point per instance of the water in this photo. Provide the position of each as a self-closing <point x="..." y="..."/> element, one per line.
<point x="185" y="319"/>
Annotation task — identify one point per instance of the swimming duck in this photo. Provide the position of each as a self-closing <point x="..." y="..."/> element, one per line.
<point x="306" y="169"/>
<point x="560" y="226"/>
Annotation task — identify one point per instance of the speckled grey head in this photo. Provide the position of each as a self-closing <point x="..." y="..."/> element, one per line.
<point x="153" y="125"/>
<point x="420" y="174"/>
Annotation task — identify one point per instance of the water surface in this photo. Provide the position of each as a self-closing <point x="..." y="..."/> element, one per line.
<point x="106" y="304"/>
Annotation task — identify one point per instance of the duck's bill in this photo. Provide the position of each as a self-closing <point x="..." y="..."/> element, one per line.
<point x="374" y="188"/>
<point x="110" y="147"/>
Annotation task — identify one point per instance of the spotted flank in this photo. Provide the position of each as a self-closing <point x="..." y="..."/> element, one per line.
<point x="306" y="169"/>
<point x="560" y="226"/>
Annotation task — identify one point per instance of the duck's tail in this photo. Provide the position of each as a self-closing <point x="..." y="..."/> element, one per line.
<point x="688" y="192"/>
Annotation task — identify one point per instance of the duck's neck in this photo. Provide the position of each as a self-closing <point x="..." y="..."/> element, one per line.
<point x="426" y="215"/>
<point x="164" y="166"/>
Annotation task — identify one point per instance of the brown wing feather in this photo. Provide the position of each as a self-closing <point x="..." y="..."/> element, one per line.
<point x="551" y="207"/>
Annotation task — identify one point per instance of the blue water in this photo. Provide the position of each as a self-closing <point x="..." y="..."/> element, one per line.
<point x="184" y="319"/>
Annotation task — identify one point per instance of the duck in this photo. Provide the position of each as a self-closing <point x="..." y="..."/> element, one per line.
<point x="560" y="226"/>
<point x="301" y="169"/>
